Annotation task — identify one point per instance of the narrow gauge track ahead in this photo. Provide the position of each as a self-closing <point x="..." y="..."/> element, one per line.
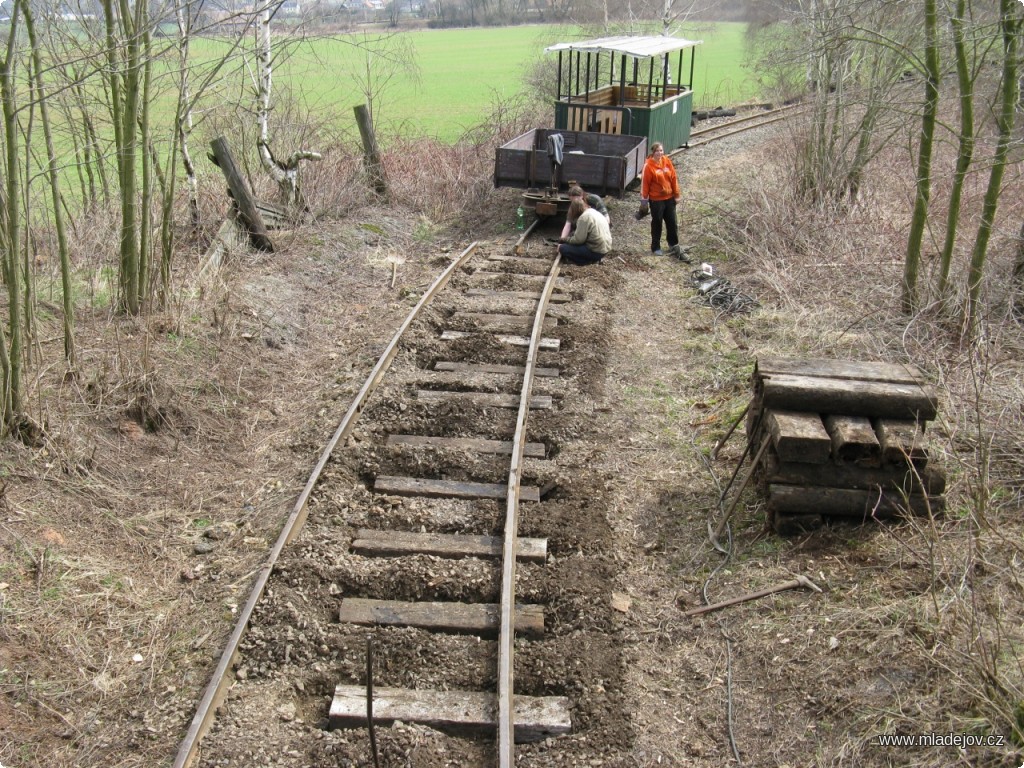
<point x="737" y="125"/>
<point x="452" y="388"/>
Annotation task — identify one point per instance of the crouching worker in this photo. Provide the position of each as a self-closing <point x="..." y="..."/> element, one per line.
<point x="592" y="238"/>
<point x="593" y="201"/>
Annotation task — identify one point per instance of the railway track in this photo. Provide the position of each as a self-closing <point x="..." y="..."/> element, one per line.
<point x="404" y="546"/>
<point x="738" y="125"/>
<point x="403" y="584"/>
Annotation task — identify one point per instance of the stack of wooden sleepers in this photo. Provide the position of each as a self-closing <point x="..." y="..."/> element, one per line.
<point x="842" y="439"/>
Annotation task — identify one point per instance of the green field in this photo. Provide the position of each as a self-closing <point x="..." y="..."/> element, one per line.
<point x="463" y="72"/>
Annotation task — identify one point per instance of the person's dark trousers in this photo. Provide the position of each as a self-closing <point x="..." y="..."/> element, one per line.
<point x="579" y="254"/>
<point x="663" y="210"/>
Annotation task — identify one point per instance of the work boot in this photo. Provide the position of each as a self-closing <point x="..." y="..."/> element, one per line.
<point x="681" y="252"/>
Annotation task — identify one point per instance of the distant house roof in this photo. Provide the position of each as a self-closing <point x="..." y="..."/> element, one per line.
<point x="631" y="45"/>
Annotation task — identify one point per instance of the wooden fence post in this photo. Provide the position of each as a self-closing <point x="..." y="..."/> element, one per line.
<point x="244" y="201"/>
<point x="370" y="150"/>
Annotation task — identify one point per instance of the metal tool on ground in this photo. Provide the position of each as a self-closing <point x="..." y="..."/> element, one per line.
<point x="717" y="292"/>
<point x="727" y="435"/>
<point x="799" y="581"/>
<point x="716" y="534"/>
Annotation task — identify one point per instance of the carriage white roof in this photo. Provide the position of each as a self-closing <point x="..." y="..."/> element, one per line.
<point x="631" y="45"/>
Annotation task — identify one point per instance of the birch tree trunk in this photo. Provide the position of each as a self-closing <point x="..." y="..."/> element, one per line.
<point x="285" y="174"/>
<point x="183" y="14"/>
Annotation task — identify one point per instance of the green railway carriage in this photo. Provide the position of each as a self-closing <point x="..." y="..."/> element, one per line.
<point x="629" y="85"/>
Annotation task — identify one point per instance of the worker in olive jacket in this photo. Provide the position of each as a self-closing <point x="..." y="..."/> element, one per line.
<point x="592" y="238"/>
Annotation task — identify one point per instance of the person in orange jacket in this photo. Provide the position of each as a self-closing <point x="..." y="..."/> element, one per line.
<point x="659" y="187"/>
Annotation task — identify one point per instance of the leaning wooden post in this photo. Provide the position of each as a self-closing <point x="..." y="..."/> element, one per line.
<point x="244" y="201"/>
<point x="370" y="149"/>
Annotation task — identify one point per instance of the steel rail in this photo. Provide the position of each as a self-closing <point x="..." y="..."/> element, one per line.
<point x="763" y="118"/>
<point x="506" y="640"/>
<point x="216" y="690"/>
<point x="745" y="119"/>
<point x="523" y="237"/>
<point x="733" y="132"/>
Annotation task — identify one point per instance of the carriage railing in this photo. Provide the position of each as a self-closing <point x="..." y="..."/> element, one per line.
<point x="652" y="94"/>
<point x="632" y="95"/>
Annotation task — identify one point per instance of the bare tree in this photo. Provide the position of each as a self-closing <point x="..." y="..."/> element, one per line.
<point x="853" y="57"/>
<point x="1009" y="26"/>
<point x="52" y="174"/>
<point x="127" y="52"/>
<point x="965" y="151"/>
<point x="285" y="173"/>
<point x="919" y="219"/>
<point x="384" y="59"/>
<point x="11" y="385"/>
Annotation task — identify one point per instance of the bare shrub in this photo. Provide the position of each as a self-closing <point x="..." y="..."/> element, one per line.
<point x="832" y="272"/>
<point x="293" y="126"/>
<point x="450" y="181"/>
<point x="337" y="184"/>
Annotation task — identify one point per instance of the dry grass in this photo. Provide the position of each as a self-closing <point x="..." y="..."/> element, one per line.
<point x="203" y="418"/>
<point x="943" y="607"/>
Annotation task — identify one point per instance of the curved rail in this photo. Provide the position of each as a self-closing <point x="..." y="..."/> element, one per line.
<point x="506" y="724"/>
<point x="217" y="687"/>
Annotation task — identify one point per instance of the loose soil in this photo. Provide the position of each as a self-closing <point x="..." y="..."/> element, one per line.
<point x="133" y="532"/>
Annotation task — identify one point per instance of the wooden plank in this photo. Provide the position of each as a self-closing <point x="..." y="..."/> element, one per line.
<point x="898" y="373"/>
<point x="448" y="545"/>
<point x="854" y="440"/>
<point x="273" y="215"/>
<point x="901" y="441"/>
<point x="456" y="712"/>
<point x="556" y="298"/>
<point x="929" y="480"/>
<point x="799" y="436"/>
<point x="523" y="265"/>
<point x="445" y="365"/>
<point x="848" y="502"/>
<point x="485" y="399"/>
<point x="495" y="322"/>
<point x="228" y="236"/>
<point x="479" y="445"/>
<point x="526" y="258"/>
<point x="754" y="423"/>
<point x="422" y="486"/>
<point x="457" y="618"/>
<point x="550" y="345"/>
<point x="560" y="282"/>
<point x="859" y="398"/>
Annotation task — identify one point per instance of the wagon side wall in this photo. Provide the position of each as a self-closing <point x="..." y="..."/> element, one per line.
<point x="603" y="164"/>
